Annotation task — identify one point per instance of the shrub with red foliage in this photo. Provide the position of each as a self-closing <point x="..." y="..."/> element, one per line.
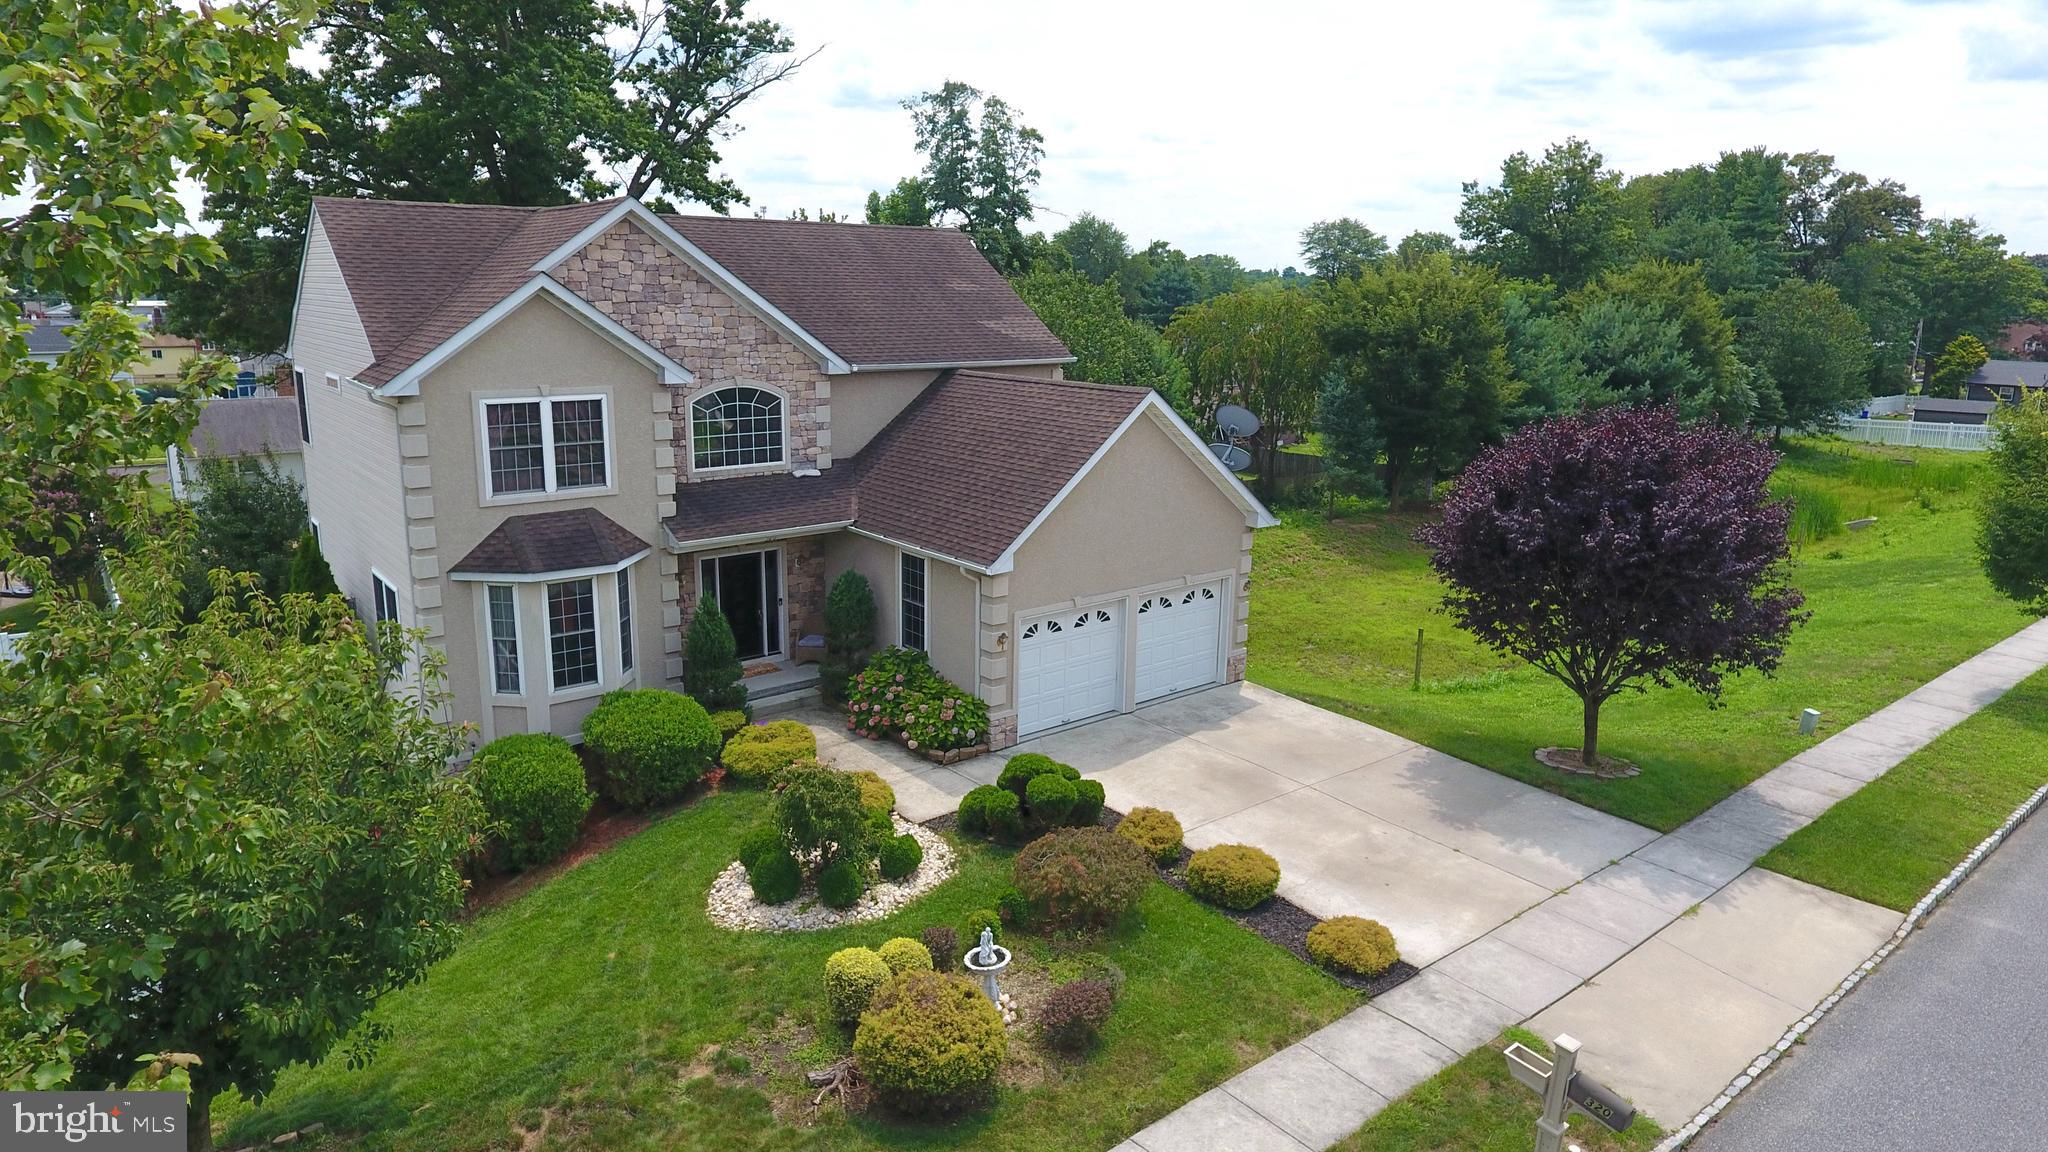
<point x="1621" y="548"/>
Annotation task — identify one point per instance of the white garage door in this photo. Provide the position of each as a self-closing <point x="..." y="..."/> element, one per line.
<point x="1179" y="641"/>
<point x="1069" y="667"/>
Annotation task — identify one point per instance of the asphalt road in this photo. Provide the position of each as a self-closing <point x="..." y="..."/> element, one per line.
<point x="1945" y="1046"/>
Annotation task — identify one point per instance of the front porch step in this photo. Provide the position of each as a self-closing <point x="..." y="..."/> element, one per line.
<point x="791" y="687"/>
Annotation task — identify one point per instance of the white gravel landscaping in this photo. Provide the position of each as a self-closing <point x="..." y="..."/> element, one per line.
<point x="731" y="903"/>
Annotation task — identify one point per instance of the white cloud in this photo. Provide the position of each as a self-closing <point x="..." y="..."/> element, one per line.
<point x="1227" y="128"/>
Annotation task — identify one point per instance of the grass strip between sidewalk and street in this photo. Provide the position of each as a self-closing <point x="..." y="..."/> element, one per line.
<point x="1897" y="836"/>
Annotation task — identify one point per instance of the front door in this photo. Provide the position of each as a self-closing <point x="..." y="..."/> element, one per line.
<point x="747" y="587"/>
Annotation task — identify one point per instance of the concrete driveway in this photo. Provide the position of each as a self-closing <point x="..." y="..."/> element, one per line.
<point x="1362" y="821"/>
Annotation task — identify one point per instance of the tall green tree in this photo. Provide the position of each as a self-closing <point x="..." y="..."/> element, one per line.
<point x="1415" y="245"/>
<point x="1629" y="312"/>
<point x="1259" y="347"/>
<point x="1099" y="250"/>
<point x="1968" y="284"/>
<point x="1950" y="373"/>
<point x="1811" y="354"/>
<point x="2012" y="536"/>
<point x="1558" y="218"/>
<point x="248" y="519"/>
<point x="1340" y="249"/>
<point x="1109" y="347"/>
<point x="980" y="165"/>
<point x="1422" y="350"/>
<point x="476" y="101"/>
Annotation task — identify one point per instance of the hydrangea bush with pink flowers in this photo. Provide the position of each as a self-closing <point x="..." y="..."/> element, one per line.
<point x="899" y="694"/>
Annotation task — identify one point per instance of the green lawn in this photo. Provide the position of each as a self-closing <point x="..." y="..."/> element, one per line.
<point x="22" y="617"/>
<point x="1475" y="1105"/>
<point x="1890" y="842"/>
<point x="1336" y="605"/>
<point x="605" y="1000"/>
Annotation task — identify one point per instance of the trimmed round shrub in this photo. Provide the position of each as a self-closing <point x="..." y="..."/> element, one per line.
<point x="1050" y="797"/>
<point x="977" y="920"/>
<point x="1236" y="876"/>
<point x="943" y="944"/>
<point x="775" y="877"/>
<point x="1005" y="816"/>
<point x="930" y="1043"/>
<point x="532" y="789"/>
<point x="758" y="753"/>
<point x="1081" y="877"/>
<point x="875" y="793"/>
<point x="1072" y="1016"/>
<point x="880" y="828"/>
<point x="1353" y="944"/>
<point x="841" y="883"/>
<point x="1019" y="770"/>
<point x="852" y="977"/>
<point x="900" y="856"/>
<point x="729" y="722"/>
<point x="1088" y="801"/>
<point x="1014" y="909"/>
<point x="649" y="745"/>
<point x="1155" y="830"/>
<point x="903" y="954"/>
<point x="820" y="815"/>
<point x="971" y="818"/>
<point x="759" y="841"/>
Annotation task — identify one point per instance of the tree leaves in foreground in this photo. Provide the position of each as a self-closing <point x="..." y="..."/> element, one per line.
<point x="2013" y="534"/>
<point x="1620" y="549"/>
<point x="227" y="838"/>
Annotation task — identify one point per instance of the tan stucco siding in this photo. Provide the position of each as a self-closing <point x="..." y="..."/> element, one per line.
<point x="949" y="601"/>
<point x="354" y="490"/>
<point x="541" y="349"/>
<point x="865" y="402"/>
<point x="1145" y="514"/>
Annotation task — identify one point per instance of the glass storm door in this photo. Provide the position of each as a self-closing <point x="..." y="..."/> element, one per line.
<point x="747" y="587"/>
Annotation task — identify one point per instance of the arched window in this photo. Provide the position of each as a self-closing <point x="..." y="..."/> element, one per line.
<point x="736" y="428"/>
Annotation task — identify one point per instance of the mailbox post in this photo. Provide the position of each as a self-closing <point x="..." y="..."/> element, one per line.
<point x="1566" y="1089"/>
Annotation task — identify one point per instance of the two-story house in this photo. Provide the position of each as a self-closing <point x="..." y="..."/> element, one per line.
<point x="543" y="435"/>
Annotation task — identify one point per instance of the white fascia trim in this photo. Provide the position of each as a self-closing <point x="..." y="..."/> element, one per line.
<point x="550" y="577"/>
<point x="1163" y="415"/>
<point x="927" y="553"/>
<point x="291" y="337"/>
<point x="684" y="547"/>
<point x="681" y="245"/>
<point x="937" y="365"/>
<point x="407" y="383"/>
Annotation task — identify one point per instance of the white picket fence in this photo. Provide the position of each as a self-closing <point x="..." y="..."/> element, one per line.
<point x="1916" y="434"/>
<point x="1884" y="406"/>
<point x="9" y="647"/>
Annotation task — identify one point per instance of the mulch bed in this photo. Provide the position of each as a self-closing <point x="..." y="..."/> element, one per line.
<point x="1279" y="919"/>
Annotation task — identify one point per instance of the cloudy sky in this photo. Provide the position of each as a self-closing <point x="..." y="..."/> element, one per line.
<point x="1228" y="127"/>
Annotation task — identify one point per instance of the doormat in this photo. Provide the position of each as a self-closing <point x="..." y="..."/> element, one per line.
<point x="765" y="668"/>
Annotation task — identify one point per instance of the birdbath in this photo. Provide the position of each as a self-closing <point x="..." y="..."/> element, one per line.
<point x="987" y="960"/>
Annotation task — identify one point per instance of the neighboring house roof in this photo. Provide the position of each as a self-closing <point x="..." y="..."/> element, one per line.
<point x="550" y="543"/>
<point x="964" y="472"/>
<point x="250" y="426"/>
<point x="2029" y="373"/>
<point x="881" y="296"/>
<point x="1941" y="404"/>
<point x="49" y="338"/>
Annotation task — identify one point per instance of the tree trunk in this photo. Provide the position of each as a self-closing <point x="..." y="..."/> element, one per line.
<point x="1394" y="478"/>
<point x="199" y="1120"/>
<point x="1591" y="745"/>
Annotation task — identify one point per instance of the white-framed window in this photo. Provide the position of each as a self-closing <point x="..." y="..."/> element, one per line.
<point x="502" y="606"/>
<point x="545" y="444"/>
<point x="625" y="581"/>
<point x="299" y="390"/>
<point x="737" y="427"/>
<point x="572" y="634"/>
<point x="386" y="607"/>
<point x="156" y="353"/>
<point x="913" y="602"/>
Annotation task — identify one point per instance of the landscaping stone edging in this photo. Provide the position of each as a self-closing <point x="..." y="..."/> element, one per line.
<point x="1941" y="890"/>
<point x="730" y="902"/>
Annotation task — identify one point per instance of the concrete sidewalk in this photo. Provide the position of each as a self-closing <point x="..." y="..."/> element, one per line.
<point x="1675" y="966"/>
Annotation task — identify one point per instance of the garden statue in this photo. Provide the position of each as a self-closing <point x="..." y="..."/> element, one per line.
<point x="987" y="959"/>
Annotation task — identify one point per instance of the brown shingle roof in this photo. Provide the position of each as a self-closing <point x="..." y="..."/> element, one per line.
<point x="542" y="542"/>
<point x="879" y="294"/>
<point x="249" y="426"/>
<point x="961" y="472"/>
<point x="872" y="294"/>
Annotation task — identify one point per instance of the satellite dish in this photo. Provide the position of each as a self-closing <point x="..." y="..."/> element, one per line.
<point x="1234" y="458"/>
<point x="1236" y="422"/>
